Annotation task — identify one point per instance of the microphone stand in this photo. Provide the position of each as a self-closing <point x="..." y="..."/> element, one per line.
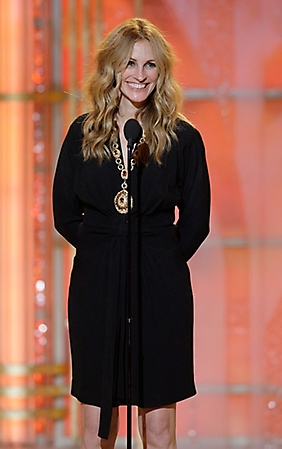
<point x="132" y="133"/>
<point x="129" y="319"/>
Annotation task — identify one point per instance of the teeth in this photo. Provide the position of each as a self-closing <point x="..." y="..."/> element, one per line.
<point x="137" y="86"/>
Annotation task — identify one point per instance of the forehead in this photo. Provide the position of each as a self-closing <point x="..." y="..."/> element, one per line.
<point x="142" y="50"/>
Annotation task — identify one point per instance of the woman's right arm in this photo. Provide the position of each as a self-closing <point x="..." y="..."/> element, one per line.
<point x="67" y="207"/>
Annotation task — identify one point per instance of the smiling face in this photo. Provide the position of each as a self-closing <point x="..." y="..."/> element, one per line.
<point x="139" y="78"/>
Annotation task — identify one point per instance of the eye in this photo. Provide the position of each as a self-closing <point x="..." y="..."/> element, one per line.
<point x="151" y="64"/>
<point x="130" y="63"/>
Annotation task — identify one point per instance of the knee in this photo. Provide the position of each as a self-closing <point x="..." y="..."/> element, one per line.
<point x="157" y="427"/>
<point x="90" y="439"/>
<point x="90" y="429"/>
<point x="159" y="436"/>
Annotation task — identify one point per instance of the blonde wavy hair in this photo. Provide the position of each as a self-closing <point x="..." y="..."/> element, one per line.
<point x="161" y="112"/>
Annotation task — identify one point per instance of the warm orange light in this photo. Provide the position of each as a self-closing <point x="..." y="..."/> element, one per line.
<point x="16" y="311"/>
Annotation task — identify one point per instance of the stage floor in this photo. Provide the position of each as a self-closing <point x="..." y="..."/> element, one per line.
<point x="181" y="444"/>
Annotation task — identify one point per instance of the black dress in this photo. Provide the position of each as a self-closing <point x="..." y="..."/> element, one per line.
<point x="162" y="301"/>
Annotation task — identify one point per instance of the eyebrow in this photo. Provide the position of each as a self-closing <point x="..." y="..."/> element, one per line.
<point x="149" y="60"/>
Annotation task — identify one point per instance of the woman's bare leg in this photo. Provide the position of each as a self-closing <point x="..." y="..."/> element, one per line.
<point x="90" y="428"/>
<point x="157" y="427"/>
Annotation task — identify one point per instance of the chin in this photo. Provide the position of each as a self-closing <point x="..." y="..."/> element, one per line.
<point x="140" y="98"/>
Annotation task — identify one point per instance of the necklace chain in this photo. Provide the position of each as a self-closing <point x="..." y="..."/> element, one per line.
<point x="121" y="198"/>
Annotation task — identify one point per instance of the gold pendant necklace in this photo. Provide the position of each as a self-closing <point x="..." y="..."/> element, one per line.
<point x="121" y="198"/>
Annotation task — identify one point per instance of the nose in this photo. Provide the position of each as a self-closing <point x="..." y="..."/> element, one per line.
<point x="140" y="74"/>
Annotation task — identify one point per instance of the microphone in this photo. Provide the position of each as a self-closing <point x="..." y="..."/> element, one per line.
<point x="132" y="132"/>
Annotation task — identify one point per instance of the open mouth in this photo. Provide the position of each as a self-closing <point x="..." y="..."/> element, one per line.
<point x="137" y="86"/>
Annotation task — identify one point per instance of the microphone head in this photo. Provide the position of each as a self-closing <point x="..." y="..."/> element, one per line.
<point x="132" y="131"/>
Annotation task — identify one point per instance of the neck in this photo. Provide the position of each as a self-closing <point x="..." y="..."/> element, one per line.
<point x="126" y="111"/>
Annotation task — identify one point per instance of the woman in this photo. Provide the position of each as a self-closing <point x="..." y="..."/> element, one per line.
<point x="132" y="79"/>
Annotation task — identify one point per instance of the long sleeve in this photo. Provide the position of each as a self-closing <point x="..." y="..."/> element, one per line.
<point x="67" y="208"/>
<point x="194" y="207"/>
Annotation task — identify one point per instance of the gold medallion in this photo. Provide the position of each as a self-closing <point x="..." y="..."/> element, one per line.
<point x="121" y="202"/>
